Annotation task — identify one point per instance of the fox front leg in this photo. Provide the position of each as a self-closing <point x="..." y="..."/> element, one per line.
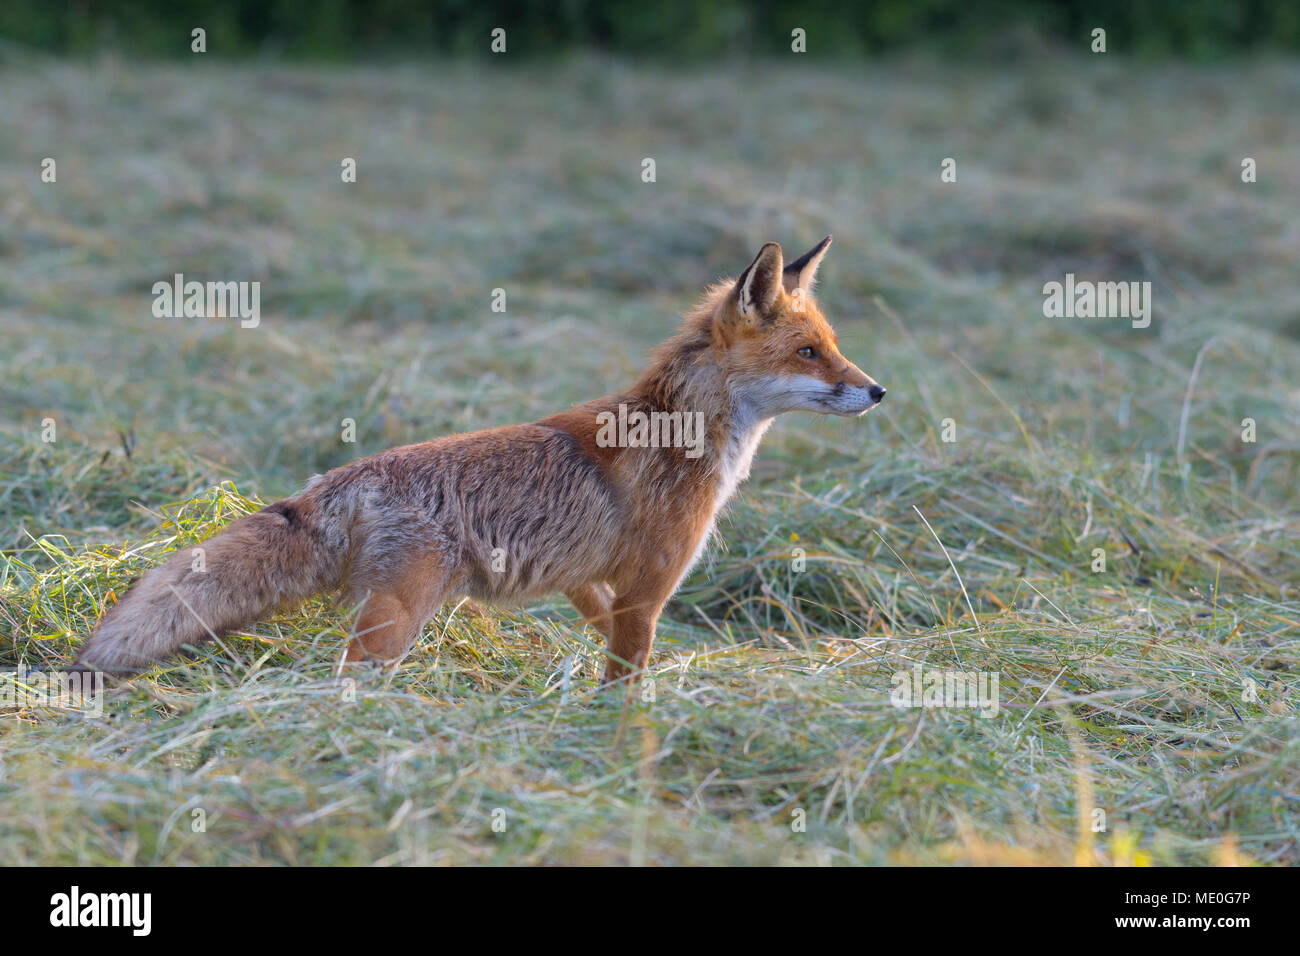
<point x="636" y="616"/>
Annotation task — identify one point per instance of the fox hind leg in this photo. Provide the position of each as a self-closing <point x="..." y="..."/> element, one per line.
<point x="595" y="603"/>
<point x="393" y="611"/>
<point x="386" y="630"/>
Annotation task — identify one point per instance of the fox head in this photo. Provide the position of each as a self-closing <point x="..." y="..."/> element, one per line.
<point x="779" y="352"/>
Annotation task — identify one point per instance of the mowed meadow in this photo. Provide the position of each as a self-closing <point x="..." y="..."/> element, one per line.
<point x="1147" y="711"/>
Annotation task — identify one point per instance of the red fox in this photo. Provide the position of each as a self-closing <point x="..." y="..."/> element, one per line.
<point x="611" y="516"/>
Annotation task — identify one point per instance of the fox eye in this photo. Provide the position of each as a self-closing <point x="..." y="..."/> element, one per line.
<point x="807" y="352"/>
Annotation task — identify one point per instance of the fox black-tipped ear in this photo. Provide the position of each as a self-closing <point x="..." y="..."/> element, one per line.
<point x="760" y="284"/>
<point x="802" y="273"/>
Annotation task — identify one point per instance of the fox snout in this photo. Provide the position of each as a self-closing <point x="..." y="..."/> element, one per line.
<point x="854" y="399"/>
<point x="856" y="392"/>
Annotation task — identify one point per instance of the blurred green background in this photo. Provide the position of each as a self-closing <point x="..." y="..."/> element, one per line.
<point x="695" y="29"/>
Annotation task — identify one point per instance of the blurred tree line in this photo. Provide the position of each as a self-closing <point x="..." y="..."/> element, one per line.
<point x="689" y="29"/>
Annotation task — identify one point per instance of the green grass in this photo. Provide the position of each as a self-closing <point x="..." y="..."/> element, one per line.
<point x="1121" y="691"/>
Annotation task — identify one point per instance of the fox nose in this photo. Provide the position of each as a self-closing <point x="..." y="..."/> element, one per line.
<point x="877" y="392"/>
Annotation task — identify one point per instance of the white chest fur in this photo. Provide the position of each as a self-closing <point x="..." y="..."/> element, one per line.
<point x="737" y="455"/>
<point x="732" y="468"/>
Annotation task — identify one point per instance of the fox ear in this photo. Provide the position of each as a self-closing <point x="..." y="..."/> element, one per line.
<point x="802" y="273"/>
<point x="760" y="284"/>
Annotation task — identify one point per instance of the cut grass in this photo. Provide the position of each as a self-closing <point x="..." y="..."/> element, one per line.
<point x="1159" y="692"/>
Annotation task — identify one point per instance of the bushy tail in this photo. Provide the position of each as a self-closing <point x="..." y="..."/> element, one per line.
<point x="280" y="555"/>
